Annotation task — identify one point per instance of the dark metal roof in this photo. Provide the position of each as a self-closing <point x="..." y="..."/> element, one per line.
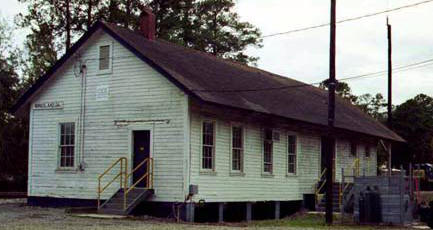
<point x="223" y="82"/>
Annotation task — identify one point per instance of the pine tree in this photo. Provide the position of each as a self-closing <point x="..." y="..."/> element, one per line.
<point x="211" y="26"/>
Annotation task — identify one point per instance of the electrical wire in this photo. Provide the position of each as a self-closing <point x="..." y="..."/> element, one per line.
<point x="349" y="19"/>
<point x="402" y="68"/>
<point x="398" y="69"/>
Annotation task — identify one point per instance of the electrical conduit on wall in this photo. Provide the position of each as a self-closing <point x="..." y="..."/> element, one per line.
<point x="83" y="71"/>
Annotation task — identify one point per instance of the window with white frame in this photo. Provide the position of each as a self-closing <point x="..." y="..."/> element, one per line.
<point x="267" y="151"/>
<point x="208" y="150"/>
<point x="104" y="57"/>
<point x="237" y="148"/>
<point x="67" y="145"/>
<point x="291" y="154"/>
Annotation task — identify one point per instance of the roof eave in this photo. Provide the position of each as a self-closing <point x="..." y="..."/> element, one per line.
<point x="396" y="139"/>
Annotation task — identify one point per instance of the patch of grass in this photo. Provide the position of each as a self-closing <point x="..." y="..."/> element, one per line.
<point x="304" y="221"/>
<point x="311" y="221"/>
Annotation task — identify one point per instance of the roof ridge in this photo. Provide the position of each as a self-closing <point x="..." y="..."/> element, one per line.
<point x="227" y="61"/>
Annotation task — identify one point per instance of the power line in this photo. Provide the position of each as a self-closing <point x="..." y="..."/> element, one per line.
<point x="348" y="19"/>
<point x="402" y="68"/>
<point x="398" y="69"/>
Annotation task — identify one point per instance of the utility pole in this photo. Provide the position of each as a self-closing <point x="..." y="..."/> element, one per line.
<point x="389" y="74"/>
<point x="389" y="29"/>
<point x="89" y="14"/>
<point x="331" y="117"/>
<point x="68" y="25"/>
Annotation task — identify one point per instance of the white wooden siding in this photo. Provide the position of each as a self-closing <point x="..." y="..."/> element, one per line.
<point x="345" y="159"/>
<point x="136" y="92"/>
<point x="253" y="185"/>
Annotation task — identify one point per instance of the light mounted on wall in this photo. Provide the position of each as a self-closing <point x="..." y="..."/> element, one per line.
<point x="83" y="68"/>
<point x="122" y="123"/>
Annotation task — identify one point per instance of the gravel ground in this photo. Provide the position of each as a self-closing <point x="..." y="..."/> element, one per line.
<point x="16" y="215"/>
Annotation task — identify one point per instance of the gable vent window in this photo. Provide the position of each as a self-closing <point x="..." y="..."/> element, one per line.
<point x="104" y="57"/>
<point x="67" y="145"/>
<point x="208" y="151"/>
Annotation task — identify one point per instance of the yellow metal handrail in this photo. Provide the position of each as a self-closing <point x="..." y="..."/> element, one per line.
<point x="343" y="189"/>
<point x="355" y="169"/>
<point x="148" y="175"/>
<point x="355" y="165"/>
<point x="123" y="171"/>
<point x="368" y="166"/>
<point x="320" y="187"/>
<point x="322" y="174"/>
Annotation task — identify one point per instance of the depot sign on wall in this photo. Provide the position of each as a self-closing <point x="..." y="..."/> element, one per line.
<point x="49" y="105"/>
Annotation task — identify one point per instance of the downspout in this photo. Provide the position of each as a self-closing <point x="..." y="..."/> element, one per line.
<point x="189" y="140"/>
<point x="81" y="115"/>
<point x="30" y="154"/>
<point x="83" y="70"/>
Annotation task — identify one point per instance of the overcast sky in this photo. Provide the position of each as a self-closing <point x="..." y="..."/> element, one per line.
<point x="361" y="44"/>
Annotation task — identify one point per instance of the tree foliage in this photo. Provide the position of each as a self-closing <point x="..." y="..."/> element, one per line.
<point x="13" y="143"/>
<point x="41" y="46"/>
<point x="211" y="26"/>
<point x="374" y="105"/>
<point x="413" y="120"/>
<point x="216" y="29"/>
<point x="343" y="90"/>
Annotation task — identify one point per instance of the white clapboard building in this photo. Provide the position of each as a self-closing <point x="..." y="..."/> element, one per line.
<point x="127" y="122"/>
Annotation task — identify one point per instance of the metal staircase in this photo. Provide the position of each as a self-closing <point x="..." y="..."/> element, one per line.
<point x="342" y="193"/>
<point x="126" y="198"/>
<point x="320" y="206"/>
<point x="114" y="205"/>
